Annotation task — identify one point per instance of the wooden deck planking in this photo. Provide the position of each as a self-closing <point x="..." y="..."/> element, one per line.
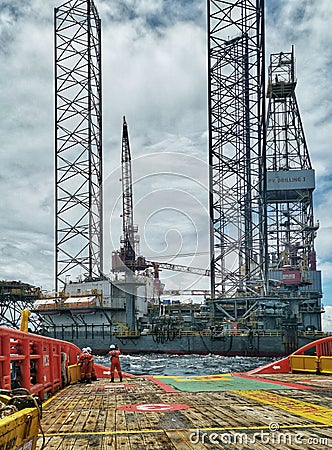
<point x="110" y="419"/>
<point x="157" y="441"/>
<point x="120" y="421"/>
<point x="143" y="422"/>
<point x="52" y="443"/>
<point x="108" y="443"/>
<point x="86" y="417"/>
<point x="69" y="423"/>
<point x="123" y="443"/>
<point x="181" y="440"/>
<point x="136" y="442"/>
<point x="55" y="421"/>
<point x="92" y="420"/>
<point x="311" y="396"/>
<point x="79" y="424"/>
<point x="83" y="443"/>
<point x="101" y="423"/>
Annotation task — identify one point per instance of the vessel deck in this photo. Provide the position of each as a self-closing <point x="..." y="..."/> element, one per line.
<point x="227" y="411"/>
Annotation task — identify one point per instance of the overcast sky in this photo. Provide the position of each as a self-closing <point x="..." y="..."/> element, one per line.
<point x="154" y="72"/>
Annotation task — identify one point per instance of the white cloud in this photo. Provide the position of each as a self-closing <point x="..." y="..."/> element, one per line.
<point x="327" y="319"/>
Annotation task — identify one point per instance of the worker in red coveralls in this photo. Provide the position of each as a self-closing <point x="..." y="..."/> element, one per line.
<point x="93" y="370"/>
<point x="85" y="361"/>
<point x="115" y="362"/>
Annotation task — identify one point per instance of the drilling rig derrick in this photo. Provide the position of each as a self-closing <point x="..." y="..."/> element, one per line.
<point x="290" y="182"/>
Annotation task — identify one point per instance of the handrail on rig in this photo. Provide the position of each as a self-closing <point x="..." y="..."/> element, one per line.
<point x="34" y="362"/>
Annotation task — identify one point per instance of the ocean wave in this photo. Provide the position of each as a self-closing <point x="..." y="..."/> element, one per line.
<point x="165" y="364"/>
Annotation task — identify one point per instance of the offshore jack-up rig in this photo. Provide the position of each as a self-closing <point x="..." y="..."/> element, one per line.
<point x="262" y="212"/>
<point x="265" y="295"/>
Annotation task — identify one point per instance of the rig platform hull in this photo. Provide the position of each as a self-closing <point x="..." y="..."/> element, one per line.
<point x="271" y="344"/>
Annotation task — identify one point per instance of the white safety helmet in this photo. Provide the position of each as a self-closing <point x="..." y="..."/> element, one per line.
<point x="112" y="347"/>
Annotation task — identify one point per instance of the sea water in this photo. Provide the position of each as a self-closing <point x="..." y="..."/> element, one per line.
<point x="164" y="364"/>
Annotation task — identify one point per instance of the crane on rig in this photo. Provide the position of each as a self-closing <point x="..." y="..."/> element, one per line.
<point x="127" y="258"/>
<point x="129" y="239"/>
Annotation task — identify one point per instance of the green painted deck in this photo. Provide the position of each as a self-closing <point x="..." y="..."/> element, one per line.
<point x="192" y="413"/>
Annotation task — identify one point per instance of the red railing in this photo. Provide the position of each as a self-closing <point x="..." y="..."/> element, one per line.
<point x="321" y="349"/>
<point x="34" y="362"/>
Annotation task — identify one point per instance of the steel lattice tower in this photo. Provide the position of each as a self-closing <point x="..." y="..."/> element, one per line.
<point x="236" y="145"/>
<point x="78" y="141"/>
<point x="290" y="184"/>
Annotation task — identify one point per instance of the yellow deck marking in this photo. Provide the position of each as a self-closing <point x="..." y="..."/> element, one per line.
<point x="149" y="431"/>
<point x="200" y="378"/>
<point x="100" y="433"/>
<point x="308" y="410"/>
